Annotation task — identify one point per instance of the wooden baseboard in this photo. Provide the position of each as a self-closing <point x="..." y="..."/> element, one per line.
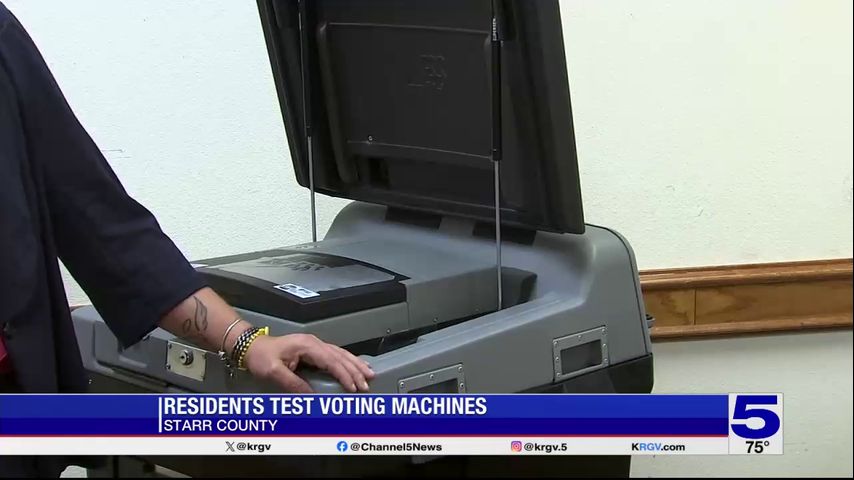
<point x="749" y="299"/>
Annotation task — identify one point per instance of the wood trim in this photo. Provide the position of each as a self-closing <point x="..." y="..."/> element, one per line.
<point x="749" y="299"/>
<point x="746" y="274"/>
<point x="754" y="327"/>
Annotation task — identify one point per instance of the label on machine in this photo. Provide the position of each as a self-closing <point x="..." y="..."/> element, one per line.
<point x="296" y="290"/>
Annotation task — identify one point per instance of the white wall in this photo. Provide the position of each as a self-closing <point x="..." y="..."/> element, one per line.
<point x="715" y="131"/>
<point x="812" y="370"/>
<point x="709" y="132"/>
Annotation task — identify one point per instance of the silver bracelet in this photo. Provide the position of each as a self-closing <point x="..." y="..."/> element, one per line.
<point x="225" y="337"/>
<point x="222" y="355"/>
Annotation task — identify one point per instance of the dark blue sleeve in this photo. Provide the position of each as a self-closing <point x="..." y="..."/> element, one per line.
<point x="113" y="246"/>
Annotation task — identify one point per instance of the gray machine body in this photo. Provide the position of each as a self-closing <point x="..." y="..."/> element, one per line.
<point x="583" y="313"/>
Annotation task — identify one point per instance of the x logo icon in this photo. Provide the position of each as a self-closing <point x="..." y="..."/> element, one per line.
<point x="229" y="446"/>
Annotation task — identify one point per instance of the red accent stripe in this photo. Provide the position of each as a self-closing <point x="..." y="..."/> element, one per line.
<point x="256" y="435"/>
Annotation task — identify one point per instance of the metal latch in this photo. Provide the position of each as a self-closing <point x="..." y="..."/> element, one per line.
<point x="444" y="380"/>
<point x="580" y="353"/>
<point x="186" y="361"/>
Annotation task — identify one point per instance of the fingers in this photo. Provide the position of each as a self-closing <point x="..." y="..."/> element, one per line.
<point x="288" y="380"/>
<point x="360" y="364"/>
<point x="265" y="361"/>
<point x="341" y="364"/>
<point x="336" y="368"/>
<point x="277" y="359"/>
<point x="358" y="368"/>
<point x="352" y="367"/>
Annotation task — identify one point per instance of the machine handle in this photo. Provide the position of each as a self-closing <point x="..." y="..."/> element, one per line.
<point x="321" y="382"/>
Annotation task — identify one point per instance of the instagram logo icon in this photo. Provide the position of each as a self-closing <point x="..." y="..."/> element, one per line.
<point x="516" y="446"/>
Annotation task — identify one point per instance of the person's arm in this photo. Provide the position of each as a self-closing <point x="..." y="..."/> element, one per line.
<point x="134" y="274"/>
<point x="205" y="318"/>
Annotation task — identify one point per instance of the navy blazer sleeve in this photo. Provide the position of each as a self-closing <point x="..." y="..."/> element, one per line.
<point x="132" y="272"/>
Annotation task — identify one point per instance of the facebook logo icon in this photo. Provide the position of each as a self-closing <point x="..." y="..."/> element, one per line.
<point x="342" y="446"/>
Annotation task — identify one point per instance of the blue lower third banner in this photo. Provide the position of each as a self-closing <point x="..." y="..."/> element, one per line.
<point x="391" y="424"/>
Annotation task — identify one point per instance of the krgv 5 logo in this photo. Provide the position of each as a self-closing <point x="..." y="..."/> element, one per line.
<point x="756" y="424"/>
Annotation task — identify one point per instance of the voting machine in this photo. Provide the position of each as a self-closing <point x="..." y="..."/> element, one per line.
<point x="463" y="263"/>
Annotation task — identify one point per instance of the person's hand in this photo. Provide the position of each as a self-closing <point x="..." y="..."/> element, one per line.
<point x="276" y="358"/>
<point x="207" y="320"/>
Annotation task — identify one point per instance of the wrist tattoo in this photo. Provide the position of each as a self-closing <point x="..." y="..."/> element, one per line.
<point x="195" y="326"/>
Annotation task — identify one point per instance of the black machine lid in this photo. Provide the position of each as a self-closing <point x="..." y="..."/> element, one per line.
<point x="402" y="112"/>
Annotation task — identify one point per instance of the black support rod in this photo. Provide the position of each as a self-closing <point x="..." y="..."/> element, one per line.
<point x="496" y="39"/>
<point x="306" y="100"/>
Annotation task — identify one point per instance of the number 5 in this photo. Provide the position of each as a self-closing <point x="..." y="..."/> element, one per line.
<point x="742" y="412"/>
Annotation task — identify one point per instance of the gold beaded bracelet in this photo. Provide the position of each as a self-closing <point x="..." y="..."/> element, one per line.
<point x="248" y="343"/>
